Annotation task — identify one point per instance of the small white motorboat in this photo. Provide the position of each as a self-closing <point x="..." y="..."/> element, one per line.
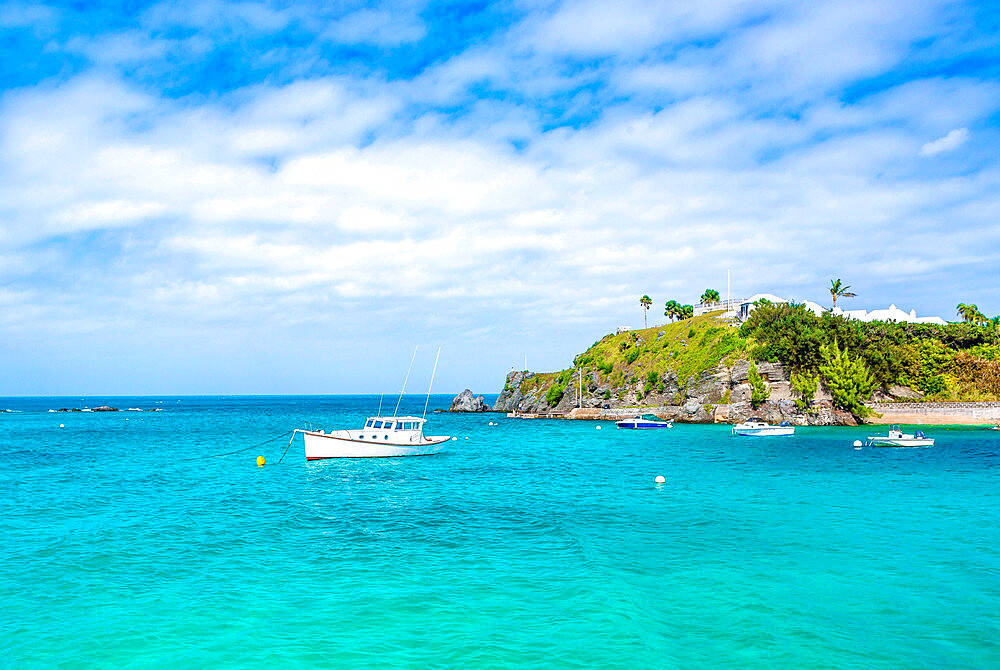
<point x="760" y="428"/>
<point x="897" y="438"/>
<point x="382" y="436"/>
<point x="642" y="423"/>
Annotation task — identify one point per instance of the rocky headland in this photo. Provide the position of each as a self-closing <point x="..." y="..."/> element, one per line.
<point x="783" y="364"/>
<point x="720" y="394"/>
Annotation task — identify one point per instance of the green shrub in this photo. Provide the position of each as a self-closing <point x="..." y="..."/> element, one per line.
<point x="555" y="394"/>
<point x="848" y="379"/>
<point x="632" y="355"/>
<point x="607" y="394"/>
<point x="806" y="385"/>
<point x="759" y="391"/>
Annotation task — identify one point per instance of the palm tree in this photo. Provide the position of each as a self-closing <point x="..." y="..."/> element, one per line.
<point x="645" y="301"/>
<point x="971" y="314"/>
<point x="672" y="309"/>
<point x="838" y="290"/>
<point x="687" y="311"/>
<point x="709" y="296"/>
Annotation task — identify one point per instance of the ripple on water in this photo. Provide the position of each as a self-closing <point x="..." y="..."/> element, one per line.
<point x="533" y="544"/>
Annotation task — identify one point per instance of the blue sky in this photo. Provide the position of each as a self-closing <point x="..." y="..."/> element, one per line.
<point x="215" y="197"/>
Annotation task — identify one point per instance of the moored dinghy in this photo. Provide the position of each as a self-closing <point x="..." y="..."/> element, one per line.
<point x="897" y="438"/>
<point x="642" y="423"/>
<point x="760" y="428"/>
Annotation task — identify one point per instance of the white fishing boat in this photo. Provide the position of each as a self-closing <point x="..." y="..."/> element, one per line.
<point x="642" y="423"/>
<point x="897" y="438"/>
<point x="382" y="436"/>
<point x="760" y="428"/>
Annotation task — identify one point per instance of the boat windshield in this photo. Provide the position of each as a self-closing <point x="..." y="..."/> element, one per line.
<point x="369" y="424"/>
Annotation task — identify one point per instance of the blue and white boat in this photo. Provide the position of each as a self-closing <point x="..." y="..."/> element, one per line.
<point x="643" y="423"/>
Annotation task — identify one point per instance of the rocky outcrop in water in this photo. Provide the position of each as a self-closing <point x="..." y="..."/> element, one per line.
<point x="466" y="402"/>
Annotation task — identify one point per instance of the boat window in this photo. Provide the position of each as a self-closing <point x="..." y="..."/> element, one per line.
<point x="378" y="424"/>
<point x="408" y="425"/>
<point x="388" y="425"/>
<point x="369" y="424"/>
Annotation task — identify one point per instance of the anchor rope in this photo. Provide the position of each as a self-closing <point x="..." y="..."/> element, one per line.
<point x="237" y="451"/>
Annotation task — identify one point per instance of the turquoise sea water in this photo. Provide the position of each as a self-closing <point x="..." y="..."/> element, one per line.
<point x="531" y="544"/>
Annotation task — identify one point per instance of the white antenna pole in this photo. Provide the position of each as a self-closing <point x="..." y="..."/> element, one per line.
<point x="432" y="383"/>
<point x="380" y="396"/>
<point x="396" y="411"/>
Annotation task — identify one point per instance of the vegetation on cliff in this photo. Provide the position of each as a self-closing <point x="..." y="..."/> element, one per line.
<point x="850" y="360"/>
<point x="959" y="361"/>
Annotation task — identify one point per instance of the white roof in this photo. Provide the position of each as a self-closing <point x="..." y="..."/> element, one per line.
<point x="814" y="307"/>
<point x="770" y="297"/>
<point x="396" y="418"/>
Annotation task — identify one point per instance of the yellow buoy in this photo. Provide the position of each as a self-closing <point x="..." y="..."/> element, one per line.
<point x="260" y="461"/>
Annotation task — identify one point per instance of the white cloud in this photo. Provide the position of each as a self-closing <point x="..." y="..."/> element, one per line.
<point x="505" y="189"/>
<point x="949" y="142"/>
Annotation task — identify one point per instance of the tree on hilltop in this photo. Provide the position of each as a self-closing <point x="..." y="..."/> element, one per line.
<point x="672" y="309"/>
<point x="709" y="296"/>
<point x="645" y="301"/>
<point x="971" y="314"/>
<point x="838" y="290"/>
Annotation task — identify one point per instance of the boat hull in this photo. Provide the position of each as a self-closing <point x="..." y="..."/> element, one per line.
<point x="320" y="446"/>
<point x="900" y="442"/>
<point x="771" y="431"/>
<point x="643" y="425"/>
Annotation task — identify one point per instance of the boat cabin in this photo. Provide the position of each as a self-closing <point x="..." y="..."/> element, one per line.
<point x="394" y="423"/>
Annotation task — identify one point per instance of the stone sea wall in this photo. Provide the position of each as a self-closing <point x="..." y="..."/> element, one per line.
<point x="952" y="413"/>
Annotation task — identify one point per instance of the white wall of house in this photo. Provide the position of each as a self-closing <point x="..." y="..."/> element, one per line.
<point x="891" y="313"/>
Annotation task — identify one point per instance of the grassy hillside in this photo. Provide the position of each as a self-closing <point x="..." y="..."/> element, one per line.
<point x="956" y="362"/>
<point x="685" y="348"/>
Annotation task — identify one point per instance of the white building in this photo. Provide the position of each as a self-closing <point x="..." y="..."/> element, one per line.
<point x="747" y="304"/>
<point x="730" y="306"/>
<point x="893" y="313"/>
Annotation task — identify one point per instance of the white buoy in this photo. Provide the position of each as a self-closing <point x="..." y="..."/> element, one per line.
<point x="857" y="444"/>
<point x="660" y="479"/>
<point x="598" y="428"/>
<point x="455" y="438"/>
<point x="62" y="425"/>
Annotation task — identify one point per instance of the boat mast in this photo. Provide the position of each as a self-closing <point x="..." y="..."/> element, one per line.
<point x="396" y="411"/>
<point x="424" y="415"/>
